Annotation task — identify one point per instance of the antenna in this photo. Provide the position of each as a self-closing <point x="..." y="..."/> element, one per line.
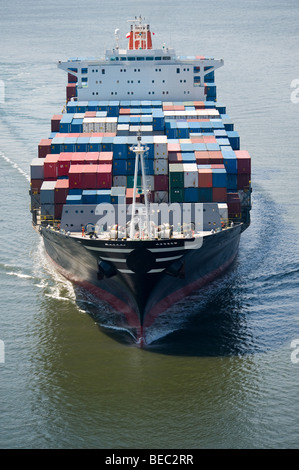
<point x="116" y="32"/>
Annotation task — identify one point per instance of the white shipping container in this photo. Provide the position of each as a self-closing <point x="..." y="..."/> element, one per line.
<point x="160" y="166"/>
<point x="160" y="146"/>
<point x="47" y="192"/>
<point x="223" y="211"/>
<point x="37" y="169"/>
<point x="161" y="196"/>
<point x="190" y="175"/>
<point x="119" y="180"/>
<point x="176" y="167"/>
<point x="150" y="182"/>
<point x="100" y="124"/>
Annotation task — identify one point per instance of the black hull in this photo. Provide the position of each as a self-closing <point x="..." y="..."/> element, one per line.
<point x="142" y="279"/>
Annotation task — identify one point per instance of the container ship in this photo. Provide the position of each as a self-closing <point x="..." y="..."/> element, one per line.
<point x="141" y="191"/>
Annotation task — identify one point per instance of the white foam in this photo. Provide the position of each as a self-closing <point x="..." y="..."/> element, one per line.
<point x="21" y="275"/>
<point x="14" y="165"/>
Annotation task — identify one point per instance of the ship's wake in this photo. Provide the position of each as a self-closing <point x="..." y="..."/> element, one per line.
<point x="15" y="166"/>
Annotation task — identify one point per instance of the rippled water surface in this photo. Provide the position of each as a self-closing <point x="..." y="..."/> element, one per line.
<point x="217" y="369"/>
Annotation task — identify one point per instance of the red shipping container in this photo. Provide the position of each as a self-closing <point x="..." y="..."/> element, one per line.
<point x="104" y="176"/>
<point x="232" y="197"/>
<point x="75" y="176"/>
<point x="61" y="191"/>
<point x="215" y="157"/>
<point x="106" y="134"/>
<point x="44" y="147"/>
<point x="243" y="161"/>
<point x="71" y="91"/>
<point x="166" y="107"/>
<point x="90" y="114"/>
<point x="175" y="157"/>
<point x="55" y="121"/>
<point x="217" y="165"/>
<point x="89" y="177"/>
<point x="243" y="181"/>
<point x="36" y="185"/>
<point x="199" y="104"/>
<point x="50" y="167"/>
<point x="219" y="195"/>
<point x="161" y="182"/>
<point x="202" y="158"/>
<point x="105" y="157"/>
<point x="78" y="158"/>
<point x="174" y="148"/>
<point x="64" y="163"/>
<point x="72" y="78"/>
<point x="58" y="211"/>
<point x="196" y="140"/>
<point x="233" y="204"/>
<point x="209" y="139"/>
<point x="92" y="158"/>
<point x="88" y="134"/>
<point x="205" y="178"/>
<point x="129" y="196"/>
<point x="123" y="111"/>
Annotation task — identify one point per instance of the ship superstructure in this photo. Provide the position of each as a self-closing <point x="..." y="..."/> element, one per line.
<point x="141" y="72"/>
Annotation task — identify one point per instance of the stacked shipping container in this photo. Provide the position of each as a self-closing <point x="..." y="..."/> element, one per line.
<point x="193" y="155"/>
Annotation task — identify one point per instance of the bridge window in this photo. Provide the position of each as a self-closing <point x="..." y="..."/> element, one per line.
<point x="196" y="81"/>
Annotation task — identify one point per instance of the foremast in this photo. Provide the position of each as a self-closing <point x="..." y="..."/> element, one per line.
<point x="144" y="219"/>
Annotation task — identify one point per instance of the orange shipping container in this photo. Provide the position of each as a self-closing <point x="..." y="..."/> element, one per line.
<point x="205" y="178"/>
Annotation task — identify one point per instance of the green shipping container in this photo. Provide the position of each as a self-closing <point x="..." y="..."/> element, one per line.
<point x="176" y="180"/>
<point x="130" y="181"/>
<point x="177" y="195"/>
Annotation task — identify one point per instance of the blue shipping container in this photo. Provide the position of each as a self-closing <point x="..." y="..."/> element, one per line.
<point x="120" y="167"/>
<point x="74" y="199"/>
<point x="82" y="144"/>
<point x="103" y="195"/>
<point x="230" y="161"/>
<point x="232" y="182"/>
<point x="191" y="195"/>
<point x="219" y="178"/>
<point x="234" y="139"/>
<point x="205" y="194"/>
<point x="95" y="144"/>
<point x="89" y="196"/>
